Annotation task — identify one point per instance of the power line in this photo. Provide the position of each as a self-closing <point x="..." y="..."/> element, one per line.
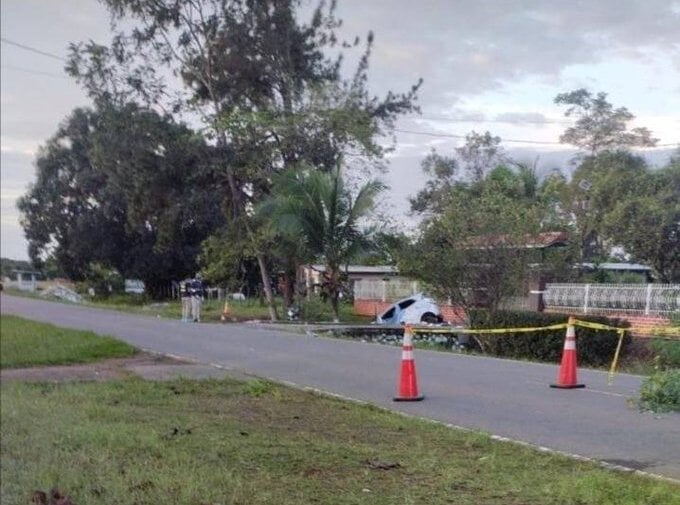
<point x="37" y="72"/>
<point x="32" y="49"/>
<point x="451" y="135"/>
<point x="518" y="141"/>
<point x="429" y="117"/>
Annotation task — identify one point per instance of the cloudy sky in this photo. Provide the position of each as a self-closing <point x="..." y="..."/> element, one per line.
<point x="487" y="65"/>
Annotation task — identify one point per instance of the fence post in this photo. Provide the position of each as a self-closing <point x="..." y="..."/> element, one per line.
<point x="648" y="299"/>
<point x="585" y="299"/>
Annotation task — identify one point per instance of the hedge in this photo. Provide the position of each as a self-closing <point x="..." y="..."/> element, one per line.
<point x="595" y="347"/>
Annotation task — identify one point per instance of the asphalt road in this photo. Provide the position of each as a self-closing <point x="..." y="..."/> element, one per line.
<point x="503" y="397"/>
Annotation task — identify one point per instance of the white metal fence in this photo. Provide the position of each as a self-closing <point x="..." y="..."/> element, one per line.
<point x="644" y="299"/>
<point x="385" y="290"/>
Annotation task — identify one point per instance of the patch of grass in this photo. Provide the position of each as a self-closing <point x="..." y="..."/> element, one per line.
<point x="188" y="442"/>
<point x="660" y="392"/>
<point x="259" y="387"/>
<point x="28" y="343"/>
<point x="667" y="353"/>
<point x="313" y="310"/>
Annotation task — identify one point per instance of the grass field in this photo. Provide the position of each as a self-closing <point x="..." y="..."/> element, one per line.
<point x="313" y="310"/>
<point x="28" y="343"/>
<point x="230" y="442"/>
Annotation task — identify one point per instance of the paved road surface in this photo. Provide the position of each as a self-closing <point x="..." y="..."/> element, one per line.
<point x="507" y="398"/>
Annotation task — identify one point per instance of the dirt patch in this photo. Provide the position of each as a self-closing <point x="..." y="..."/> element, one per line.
<point x="143" y="364"/>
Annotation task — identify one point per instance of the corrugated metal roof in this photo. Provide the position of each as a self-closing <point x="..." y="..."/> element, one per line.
<point x="362" y="269"/>
<point x="618" y="266"/>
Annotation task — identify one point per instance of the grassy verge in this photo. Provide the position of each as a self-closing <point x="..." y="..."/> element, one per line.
<point x="253" y="443"/>
<point x="313" y="310"/>
<point x="28" y="343"/>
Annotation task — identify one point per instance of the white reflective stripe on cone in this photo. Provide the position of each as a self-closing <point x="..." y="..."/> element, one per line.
<point x="407" y="355"/>
<point x="570" y="344"/>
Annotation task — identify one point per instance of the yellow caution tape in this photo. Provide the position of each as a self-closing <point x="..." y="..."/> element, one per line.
<point x="597" y="326"/>
<point x="612" y="368"/>
<point x="575" y="322"/>
<point x="560" y="326"/>
<point x="489" y="330"/>
<point x="661" y="331"/>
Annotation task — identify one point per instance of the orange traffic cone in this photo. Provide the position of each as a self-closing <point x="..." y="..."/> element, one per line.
<point x="566" y="378"/>
<point x="408" y="382"/>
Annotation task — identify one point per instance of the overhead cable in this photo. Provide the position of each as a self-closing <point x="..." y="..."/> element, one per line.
<point x="32" y="49"/>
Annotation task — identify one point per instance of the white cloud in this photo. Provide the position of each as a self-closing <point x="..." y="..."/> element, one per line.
<point x="482" y="62"/>
<point x="25" y="147"/>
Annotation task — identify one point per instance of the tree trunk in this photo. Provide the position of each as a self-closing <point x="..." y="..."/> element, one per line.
<point x="288" y="289"/>
<point x="333" y="292"/>
<point x="336" y="307"/>
<point x="237" y="208"/>
<point x="264" y="271"/>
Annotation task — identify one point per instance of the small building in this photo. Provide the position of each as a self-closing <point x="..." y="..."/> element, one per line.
<point x="312" y="275"/>
<point x="26" y="280"/>
<point x="643" y="271"/>
<point x="135" y="286"/>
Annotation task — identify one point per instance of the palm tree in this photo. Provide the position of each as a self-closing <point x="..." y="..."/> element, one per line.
<point x="319" y="212"/>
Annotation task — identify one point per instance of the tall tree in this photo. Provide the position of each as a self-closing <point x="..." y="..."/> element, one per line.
<point x="470" y="164"/>
<point x="472" y="245"/>
<point x="647" y="223"/>
<point x="608" y="172"/>
<point x="319" y="210"/>
<point x="599" y="126"/>
<point x="474" y="252"/>
<point x="441" y="172"/>
<point x="598" y="184"/>
<point x="123" y="187"/>
<point x="480" y="154"/>
<point x="259" y="78"/>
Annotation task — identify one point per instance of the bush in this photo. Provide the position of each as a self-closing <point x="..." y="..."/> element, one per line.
<point x="661" y="391"/>
<point x="104" y="281"/>
<point x="126" y="299"/>
<point x="667" y="353"/>
<point x="595" y="347"/>
<point x="314" y="309"/>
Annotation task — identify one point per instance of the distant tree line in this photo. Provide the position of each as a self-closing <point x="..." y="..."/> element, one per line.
<point x="481" y="210"/>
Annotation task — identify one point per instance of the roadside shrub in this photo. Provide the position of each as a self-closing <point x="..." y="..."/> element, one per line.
<point x="314" y="309"/>
<point x="667" y="353"/>
<point x="104" y="281"/>
<point x="595" y="347"/>
<point x="660" y="392"/>
<point x="126" y="299"/>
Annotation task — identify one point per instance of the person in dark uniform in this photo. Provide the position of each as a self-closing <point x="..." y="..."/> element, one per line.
<point x="196" y="290"/>
<point x="185" y="298"/>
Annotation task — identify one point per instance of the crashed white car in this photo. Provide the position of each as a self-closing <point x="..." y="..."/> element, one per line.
<point x="412" y="310"/>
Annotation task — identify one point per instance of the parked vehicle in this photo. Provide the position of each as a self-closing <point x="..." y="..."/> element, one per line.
<point x="412" y="310"/>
